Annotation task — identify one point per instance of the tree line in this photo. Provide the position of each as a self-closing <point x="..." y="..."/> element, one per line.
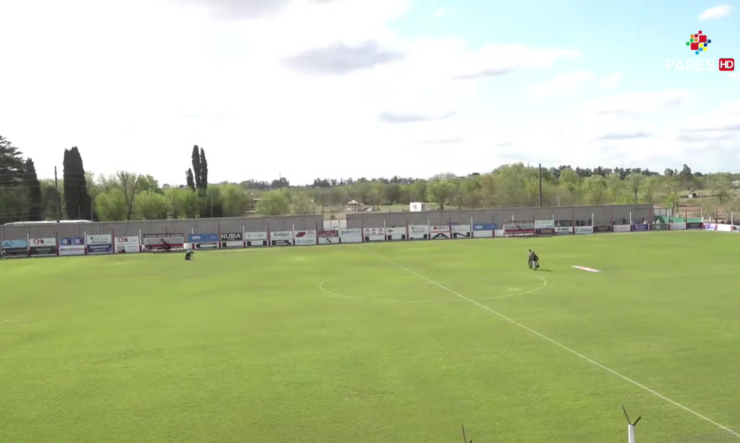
<point x="80" y="194"/>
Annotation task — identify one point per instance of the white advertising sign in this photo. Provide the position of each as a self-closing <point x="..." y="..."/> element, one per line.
<point x="255" y="235"/>
<point x="374" y="234"/>
<point x="725" y="228"/>
<point x="678" y="226"/>
<point x="482" y="234"/>
<point x="622" y="228"/>
<point x="127" y="244"/>
<point x="350" y="235"/>
<point x="305" y="238"/>
<point x="72" y="250"/>
<point x="396" y="233"/>
<point x="584" y="229"/>
<point x="281" y="235"/>
<point x="440" y="229"/>
<point x="461" y="231"/>
<point x="418" y="232"/>
<point x="99" y="239"/>
<point x="544" y="224"/>
<point x="563" y="230"/>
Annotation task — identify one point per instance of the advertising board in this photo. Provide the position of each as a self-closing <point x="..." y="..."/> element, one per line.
<point x="584" y="229"/>
<point x="99" y="244"/>
<point x="14" y="248"/>
<point x="622" y="228"/>
<point x="694" y="225"/>
<point x="544" y="224"/>
<point x="602" y="229"/>
<point x="418" y="232"/>
<point x="545" y="231"/>
<point x="350" y="235"/>
<point x="232" y="240"/>
<point x="72" y="246"/>
<point x="484" y="230"/>
<point x="563" y="230"/>
<point x="659" y="227"/>
<point x="724" y="228"/>
<point x="519" y="228"/>
<point x="127" y="244"/>
<point x="203" y="241"/>
<point x="710" y="226"/>
<point x="461" y="231"/>
<point x="374" y="234"/>
<point x="305" y="238"/>
<point x="440" y="232"/>
<point x="281" y="238"/>
<point x="255" y="239"/>
<point x="677" y="226"/>
<point x="395" y="234"/>
<point x="642" y="227"/>
<point x="328" y="237"/>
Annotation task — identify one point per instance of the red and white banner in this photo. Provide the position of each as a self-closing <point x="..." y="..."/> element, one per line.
<point x="440" y="232"/>
<point x="328" y="237"/>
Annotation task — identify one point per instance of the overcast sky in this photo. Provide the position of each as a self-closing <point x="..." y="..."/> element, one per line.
<point x="340" y="88"/>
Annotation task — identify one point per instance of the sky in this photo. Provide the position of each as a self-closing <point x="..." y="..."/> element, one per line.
<point x="357" y="88"/>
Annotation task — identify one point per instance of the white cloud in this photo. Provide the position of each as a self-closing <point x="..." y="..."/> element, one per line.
<point x="716" y="12"/>
<point x="564" y="84"/>
<point x="611" y="82"/>
<point x="305" y="88"/>
<point x="442" y="12"/>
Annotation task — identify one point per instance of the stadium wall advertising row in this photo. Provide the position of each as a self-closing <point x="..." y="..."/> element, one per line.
<point x="109" y="244"/>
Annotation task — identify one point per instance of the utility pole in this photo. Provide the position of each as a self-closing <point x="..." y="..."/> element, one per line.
<point x="211" y="205"/>
<point x="59" y="200"/>
<point x="540" y="184"/>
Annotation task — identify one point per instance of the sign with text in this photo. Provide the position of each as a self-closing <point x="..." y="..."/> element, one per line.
<point x="584" y="229"/>
<point x="563" y="230"/>
<point x="602" y="229"/>
<point x="14" y="248"/>
<point x="622" y="228"/>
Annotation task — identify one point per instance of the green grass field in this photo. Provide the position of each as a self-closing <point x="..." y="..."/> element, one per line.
<point x="400" y="342"/>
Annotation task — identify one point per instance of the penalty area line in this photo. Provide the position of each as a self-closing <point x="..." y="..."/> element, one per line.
<point x="558" y="344"/>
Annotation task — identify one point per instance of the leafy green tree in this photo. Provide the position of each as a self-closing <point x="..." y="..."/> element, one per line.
<point x="151" y="205"/>
<point x="418" y="190"/>
<point x="596" y="188"/>
<point x="634" y="181"/>
<point x="649" y="187"/>
<point x="35" y="205"/>
<point x="182" y="203"/>
<point x="302" y="203"/>
<point x="112" y="205"/>
<point x="441" y="191"/>
<point x="274" y="203"/>
<point x="236" y="200"/>
<point x="129" y="184"/>
<point x="14" y="204"/>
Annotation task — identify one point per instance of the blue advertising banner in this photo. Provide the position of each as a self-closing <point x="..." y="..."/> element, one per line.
<point x="14" y="248"/>
<point x="15" y="244"/>
<point x="484" y="227"/>
<point x="100" y="249"/>
<point x="198" y="238"/>
<point x="641" y="227"/>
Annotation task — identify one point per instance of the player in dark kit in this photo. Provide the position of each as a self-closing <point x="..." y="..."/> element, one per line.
<point x="189" y="255"/>
<point x="533" y="261"/>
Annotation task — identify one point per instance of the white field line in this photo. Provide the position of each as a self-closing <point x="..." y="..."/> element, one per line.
<point x="495" y="297"/>
<point x="560" y="345"/>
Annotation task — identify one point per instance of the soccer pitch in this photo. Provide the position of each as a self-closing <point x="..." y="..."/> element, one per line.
<point x="383" y="342"/>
